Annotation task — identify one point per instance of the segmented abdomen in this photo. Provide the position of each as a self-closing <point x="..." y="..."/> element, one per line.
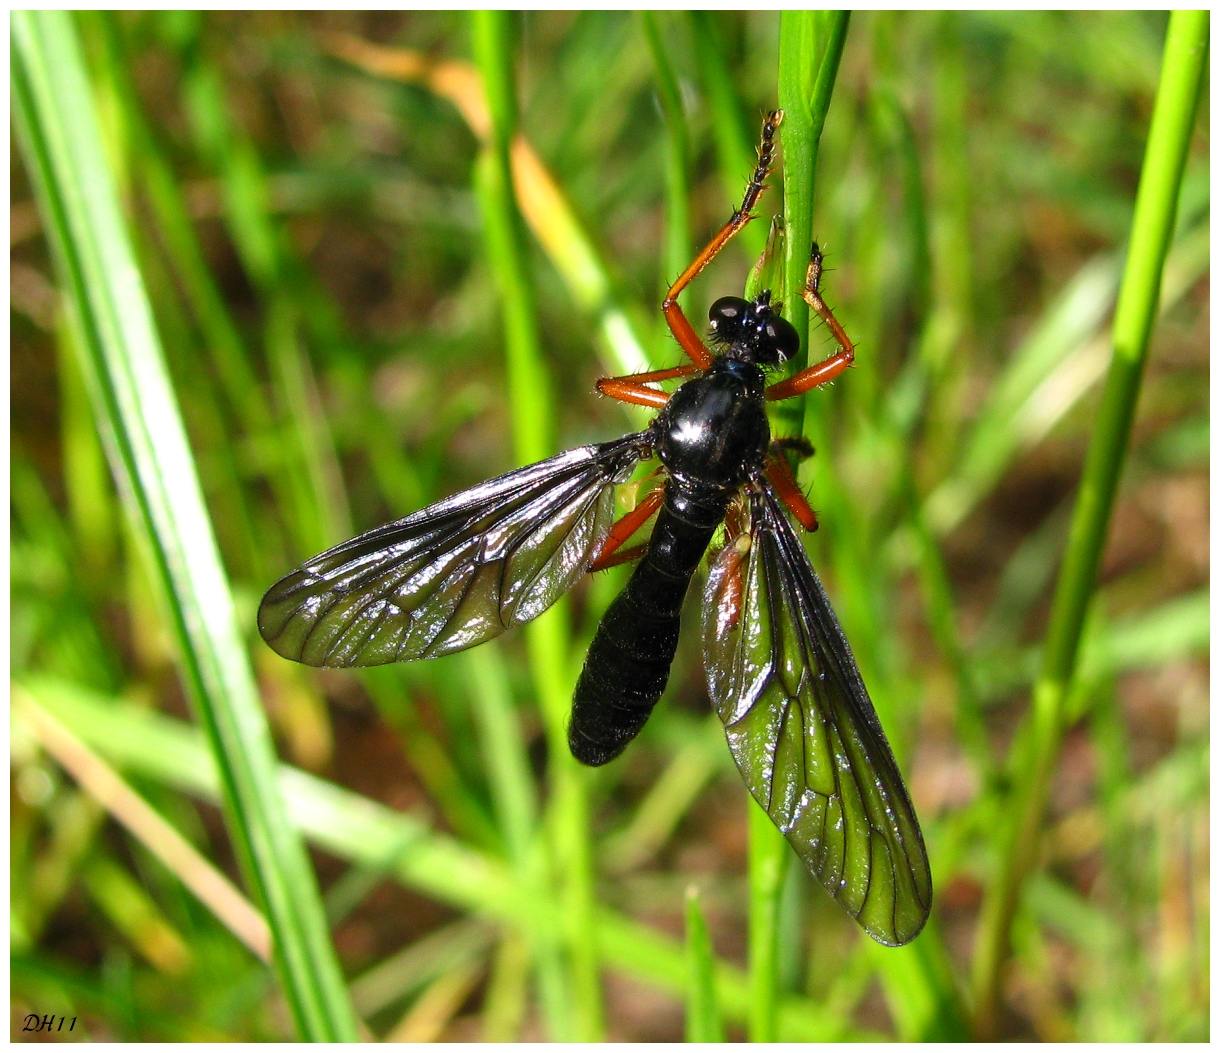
<point x="627" y="666"/>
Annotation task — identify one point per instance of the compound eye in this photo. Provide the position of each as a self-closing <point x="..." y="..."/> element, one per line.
<point x="782" y="335"/>
<point x="727" y="312"/>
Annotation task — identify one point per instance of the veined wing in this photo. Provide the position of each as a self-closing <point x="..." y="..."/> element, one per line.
<point x="456" y="573"/>
<point x="803" y="732"/>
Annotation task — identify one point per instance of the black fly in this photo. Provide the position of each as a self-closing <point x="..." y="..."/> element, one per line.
<point x="781" y="675"/>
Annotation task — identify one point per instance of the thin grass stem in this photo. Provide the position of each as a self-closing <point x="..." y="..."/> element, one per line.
<point x="768" y="861"/>
<point x="1169" y="138"/>
<point x="810" y="46"/>
<point x="549" y="637"/>
<point x="804" y="96"/>
<point x="732" y="133"/>
<point x="703" y="1023"/>
<point x="677" y="157"/>
<point x="181" y="857"/>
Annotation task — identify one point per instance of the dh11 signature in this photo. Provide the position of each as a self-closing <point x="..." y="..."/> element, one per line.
<point x="34" y="1022"/>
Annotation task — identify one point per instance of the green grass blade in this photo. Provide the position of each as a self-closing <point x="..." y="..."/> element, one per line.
<point x="529" y="386"/>
<point x="503" y="745"/>
<point x="920" y="989"/>
<point x="810" y="46"/>
<point x="799" y="72"/>
<point x="149" y="454"/>
<point x="732" y="132"/>
<point x="514" y="797"/>
<point x="678" y="253"/>
<point x="809" y="62"/>
<point x="703" y="1022"/>
<point x="1169" y="138"/>
<point x="548" y="637"/>
<point x="769" y="858"/>
<point x="810" y="49"/>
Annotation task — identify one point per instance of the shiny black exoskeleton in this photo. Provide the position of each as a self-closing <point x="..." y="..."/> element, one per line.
<point x="712" y="437"/>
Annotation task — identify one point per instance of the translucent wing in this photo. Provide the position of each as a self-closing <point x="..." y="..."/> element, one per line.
<point x="456" y="573"/>
<point x="803" y="732"/>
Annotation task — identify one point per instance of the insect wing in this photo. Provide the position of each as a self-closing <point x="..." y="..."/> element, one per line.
<point x="456" y="573"/>
<point x="803" y="732"/>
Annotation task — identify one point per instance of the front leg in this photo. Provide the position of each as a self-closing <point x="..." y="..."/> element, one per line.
<point x="634" y="389"/>
<point x="683" y="331"/>
<point x="825" y="371"/>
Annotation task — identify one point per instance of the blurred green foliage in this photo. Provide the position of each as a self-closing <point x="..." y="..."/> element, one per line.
<point x="309" y="230"/>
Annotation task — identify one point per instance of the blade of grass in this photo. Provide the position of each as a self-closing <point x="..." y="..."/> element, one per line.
<point x="122" y="802"/>
<point x="703" y="1023"/>
<point x="528" y="382"/>
<point x="150" y="456"/>
<point x="504" y="1005"/>
<point x="768" y="861"/>
<point x="515" y="799"/>
<point x="810" y="46"/>
<point x="677" y="253"/>
<point x="732" y="132"/>
<point x="503" y="745"/>
<point x="809" y="62"/>
<point x="548" y="637"/>
<point x="1169" y="138"/>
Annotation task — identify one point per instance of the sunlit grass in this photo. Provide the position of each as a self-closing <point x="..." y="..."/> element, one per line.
<point x="375" y="285"/>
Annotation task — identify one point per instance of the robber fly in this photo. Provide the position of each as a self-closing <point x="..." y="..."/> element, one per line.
<point x="780" y="673"/>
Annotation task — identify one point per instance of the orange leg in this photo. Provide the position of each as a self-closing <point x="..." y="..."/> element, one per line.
<point x="825" y="371"/>
<point x="780" y="477"/>
<point x="628" y="391"/>
<point x="663" y="374"/>
<point x="735" y="520"/>
<point x="623" y="555"/>
<point x="633" y="389"/>
<point x="625" y="527"/>
<point x="683" y="331"/>
<point x="730" y="592"/>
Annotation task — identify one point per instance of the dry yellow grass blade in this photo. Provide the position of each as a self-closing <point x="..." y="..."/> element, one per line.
<point x="103" y="783"/>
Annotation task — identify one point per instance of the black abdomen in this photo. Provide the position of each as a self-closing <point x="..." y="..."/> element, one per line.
<point x="628" y="663"/>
